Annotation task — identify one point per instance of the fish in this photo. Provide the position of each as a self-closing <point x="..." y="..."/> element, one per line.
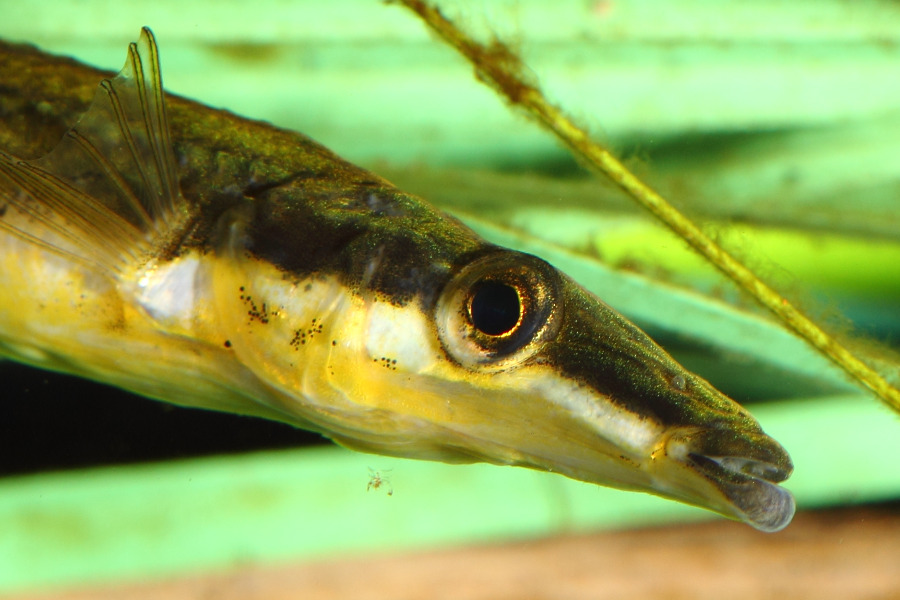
<point x="199" y="258"/>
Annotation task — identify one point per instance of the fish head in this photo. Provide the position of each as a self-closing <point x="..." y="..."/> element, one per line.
<point x="461" y="351"/>
<point x="596" y="399"/>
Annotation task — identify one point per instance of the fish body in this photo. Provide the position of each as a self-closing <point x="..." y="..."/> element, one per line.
<point x="192" y="256"/>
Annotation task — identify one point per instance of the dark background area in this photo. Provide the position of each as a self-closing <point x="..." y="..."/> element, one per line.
<point x="50" y="422"/>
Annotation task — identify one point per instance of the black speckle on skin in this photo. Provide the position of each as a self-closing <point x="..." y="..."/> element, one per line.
<point x="254" y="312"/>
<point x="304" y="335"/>
<point x="387" y="363"/>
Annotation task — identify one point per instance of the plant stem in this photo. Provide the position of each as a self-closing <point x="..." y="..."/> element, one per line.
<point x="497" y="66"/>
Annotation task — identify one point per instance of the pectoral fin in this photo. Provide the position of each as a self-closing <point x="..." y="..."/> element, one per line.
<point x="107" y="194"/>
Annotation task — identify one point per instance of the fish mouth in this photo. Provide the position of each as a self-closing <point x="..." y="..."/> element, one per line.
<point x="745" y="479"/>
<point x="751" y="487"/>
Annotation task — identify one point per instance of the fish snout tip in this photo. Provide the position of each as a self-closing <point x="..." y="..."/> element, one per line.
<point x="743" y="470"/>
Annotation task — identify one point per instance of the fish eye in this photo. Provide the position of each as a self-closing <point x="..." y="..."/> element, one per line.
<point x="499" y="310"/>
<point x="494" y="308"/>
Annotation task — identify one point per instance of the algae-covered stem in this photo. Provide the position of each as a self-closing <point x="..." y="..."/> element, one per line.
<point x="499" y="67"/>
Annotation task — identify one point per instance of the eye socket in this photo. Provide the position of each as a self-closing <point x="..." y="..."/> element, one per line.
<point x="499" y="310"/>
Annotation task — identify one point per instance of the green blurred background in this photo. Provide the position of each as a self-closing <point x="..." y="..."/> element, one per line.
<point x="775" y="124"/>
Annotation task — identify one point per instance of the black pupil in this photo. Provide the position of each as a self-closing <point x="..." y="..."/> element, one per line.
<point x="495" y="308"/>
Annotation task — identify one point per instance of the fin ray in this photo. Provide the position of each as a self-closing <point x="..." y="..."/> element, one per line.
<point x="108" y="193"/>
